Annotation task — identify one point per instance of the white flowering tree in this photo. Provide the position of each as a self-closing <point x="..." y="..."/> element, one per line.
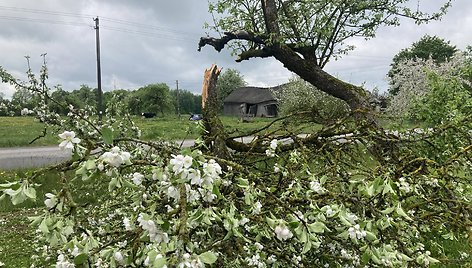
<point x="415" y="78"/>
<point x="298" y="96"/>
<point x="327" y="200"/>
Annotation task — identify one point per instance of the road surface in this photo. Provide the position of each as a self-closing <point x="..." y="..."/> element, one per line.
<point x="33" y="157"/>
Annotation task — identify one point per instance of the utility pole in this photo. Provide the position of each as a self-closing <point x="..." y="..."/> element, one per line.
<point x="99" y="73"/>
<point x="178" y="99"/>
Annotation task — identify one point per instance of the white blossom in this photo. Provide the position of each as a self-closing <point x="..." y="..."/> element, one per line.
<point x="180" y="163"/>
<point x="68" y="140"/>
<point x="51" y="200"/>
<point x="63" y="263"/>
<point x="137" y="178"/>
<point x="116" y="157"/>
<point x="259" y="246"/>
<point x="173" y="192"/>
<point x="276" y="168"/>
<point x="329" y="211"/>
<point x="355" y="232"/>
<point x="282" y="232"/>
<point x="256" y="261"/>
<point x="211" y="170"/>
<point x="75" y="251"/>
<point x="273" y="144"/>
<point x="316" y="187"/>
<point x="195" y="177"/>
<point x="209" y="196"/>
<point x="118" y="257"/>
<point x="272" y="259"/>
<point x="257" y="208"/>
<point x="127" y="224"/>
<point x="243" y="221"/>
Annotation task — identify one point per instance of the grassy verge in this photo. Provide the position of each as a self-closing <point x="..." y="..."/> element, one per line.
<point x="20" y="131"/>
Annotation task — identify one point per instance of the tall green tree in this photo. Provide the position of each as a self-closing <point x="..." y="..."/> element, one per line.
<point x="436" y="48"/>
<point x="151" y="98"/>
<point x="228" y="81"/>
<point x="188" y="102"/>
<point x="305" y="35"/>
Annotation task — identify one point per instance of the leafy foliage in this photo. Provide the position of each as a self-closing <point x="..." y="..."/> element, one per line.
<point x="316" y="29"/>
<point x="299" y="96"/>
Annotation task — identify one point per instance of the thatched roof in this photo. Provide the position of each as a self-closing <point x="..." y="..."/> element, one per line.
<point x="251" y="95"/>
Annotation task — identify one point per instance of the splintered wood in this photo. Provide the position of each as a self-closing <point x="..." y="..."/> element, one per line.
<point x="209" y="85"/>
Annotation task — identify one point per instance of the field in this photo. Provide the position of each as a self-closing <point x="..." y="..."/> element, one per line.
<point x="20" y="131"/>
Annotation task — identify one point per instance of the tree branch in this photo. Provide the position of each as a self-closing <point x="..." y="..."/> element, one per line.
<point x="220" y="43"/>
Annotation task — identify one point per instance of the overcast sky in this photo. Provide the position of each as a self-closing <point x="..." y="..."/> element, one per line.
<point x="155" y="41"/>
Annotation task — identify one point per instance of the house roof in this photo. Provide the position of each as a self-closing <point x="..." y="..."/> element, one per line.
<point x="251" y="95"/>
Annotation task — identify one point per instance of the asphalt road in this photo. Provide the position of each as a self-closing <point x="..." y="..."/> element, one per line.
<point x="33" y="157"/>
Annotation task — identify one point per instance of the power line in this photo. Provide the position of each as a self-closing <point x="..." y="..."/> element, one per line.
<point x="167" y="32"/>
<point x="68" y="23"/>
<point x="47" y="12"/>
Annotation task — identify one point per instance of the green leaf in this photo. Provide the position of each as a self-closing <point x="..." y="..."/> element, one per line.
<point x="208" y="257"/>
<point x="370" y="190"/>
<point x="30" y="192"/>
<point x="159" y="263"/>
<point x="388" y="189"/>
<point x="306" y="247"/>
<point x="317" y="227"/>
<point x="43" y="227"/>
<point x="387" y="210"/>
<point x="107" y="135"/>
<point x="80" y="259"/>
<point x="370" y="236"/>
<point x="271" y="222"/>
<point x="399" y="210"/>
<point x="8" y="184"/>
<point x="19" y="197"/>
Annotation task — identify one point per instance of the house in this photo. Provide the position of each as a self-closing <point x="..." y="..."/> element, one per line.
<point x="251" y="101"/>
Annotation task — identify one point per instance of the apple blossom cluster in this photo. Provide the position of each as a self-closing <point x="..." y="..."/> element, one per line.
<point x="116" y="157"/>
<point x="198" y="184"/>
<point x="282" y="232"/>
<point x="155" y="234"/>
<point x="270" y="152"/>
<point x="68" y="140"/>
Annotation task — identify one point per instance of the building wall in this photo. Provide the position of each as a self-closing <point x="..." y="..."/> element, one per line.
<point x="234" y="109"/>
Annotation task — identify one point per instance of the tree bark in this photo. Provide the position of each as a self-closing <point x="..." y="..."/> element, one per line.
<point x="215" y="136"/>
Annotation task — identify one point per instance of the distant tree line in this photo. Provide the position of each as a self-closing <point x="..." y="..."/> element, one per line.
<point x="154" y="98"/>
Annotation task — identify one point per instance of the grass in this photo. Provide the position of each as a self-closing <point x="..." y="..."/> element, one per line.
<point x="20" y="131"/>
<point x="17" y="237"/>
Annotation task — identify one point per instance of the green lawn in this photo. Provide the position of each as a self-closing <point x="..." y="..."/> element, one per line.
<point x="20" y="131"/>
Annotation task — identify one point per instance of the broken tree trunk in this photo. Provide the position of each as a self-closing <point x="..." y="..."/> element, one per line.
<point x="214" y="135"/>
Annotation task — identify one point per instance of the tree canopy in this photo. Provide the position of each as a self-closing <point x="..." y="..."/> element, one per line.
<point x="434" y="47"/>
<point x="304" y="35"/>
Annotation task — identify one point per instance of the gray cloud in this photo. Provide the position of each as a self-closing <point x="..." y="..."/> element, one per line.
<point x="152" y="41"/>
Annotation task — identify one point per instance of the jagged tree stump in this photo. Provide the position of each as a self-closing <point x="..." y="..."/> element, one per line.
<point x="215" y="135"/>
